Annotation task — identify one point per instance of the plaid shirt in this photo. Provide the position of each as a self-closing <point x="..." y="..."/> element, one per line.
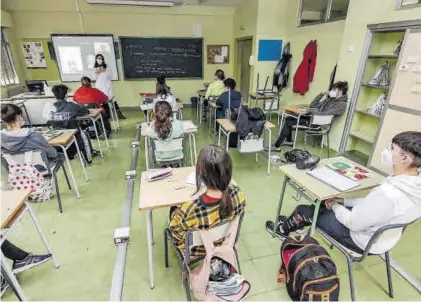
<point x="197" y="214"/>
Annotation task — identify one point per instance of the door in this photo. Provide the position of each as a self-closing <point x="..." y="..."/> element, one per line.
<point x="244" y="51"/>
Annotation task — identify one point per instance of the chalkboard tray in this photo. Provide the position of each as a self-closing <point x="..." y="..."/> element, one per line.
<point x="148" y="57"/>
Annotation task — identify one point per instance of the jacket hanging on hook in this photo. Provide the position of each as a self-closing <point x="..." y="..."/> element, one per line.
<point x="305" y="72"/>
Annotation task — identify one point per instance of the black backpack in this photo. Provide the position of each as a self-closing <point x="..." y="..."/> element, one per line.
<point x="308" y="270"/>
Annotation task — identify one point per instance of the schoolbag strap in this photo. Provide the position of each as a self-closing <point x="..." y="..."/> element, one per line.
<point x="9" y="159"/>
<point x="28" y="157"/>
<point x="230" y="241"/>
<point x="207" y="241"/>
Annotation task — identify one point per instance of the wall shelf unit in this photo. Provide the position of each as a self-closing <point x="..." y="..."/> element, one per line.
<point x="385" y="57"/>
<point x="375" y="86"/>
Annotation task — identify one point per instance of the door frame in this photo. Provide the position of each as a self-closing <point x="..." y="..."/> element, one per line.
<point x="238" y="54"/>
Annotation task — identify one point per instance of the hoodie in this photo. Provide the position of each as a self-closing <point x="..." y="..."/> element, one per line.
<point x="70" y="110"/>
<point x="25" y="140"/>
<point x="328" y="106"/>
<point x="396" y="201"/>
<point x="223" y="102"/>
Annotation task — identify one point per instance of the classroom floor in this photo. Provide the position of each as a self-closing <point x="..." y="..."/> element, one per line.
<point x="82" y="236"/>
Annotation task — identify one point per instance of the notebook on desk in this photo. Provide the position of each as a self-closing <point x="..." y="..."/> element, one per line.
<point x="333" y="179"/>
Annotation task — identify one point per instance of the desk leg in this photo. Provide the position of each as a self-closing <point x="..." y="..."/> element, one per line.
<point x="149" y="238"/>
<point x="296" y="132"/>
<point x="281" y="200"/>
<point x="104" y="131"/>
<point x="81" y="159"/>
<point x="41" y="234"/>
<point x="147" y="152"/>
<point x="270" y="147"/>
<point x="200" y="111"/>
<point x="219" y="135"/>
<point x="14" y="284"/>
<point x="70" y="169"/>
<point x="113" y="116"/>
<point x="315" y="215"/>
<point x="191" y="150"/>
<point x="194" y="148"/>
<point x="116" y="114"/>
<point x="228" y="141"/>
<point x="97" y="138"/>
<point x="282" y="121"/>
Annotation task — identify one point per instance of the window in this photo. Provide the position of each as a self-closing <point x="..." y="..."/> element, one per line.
<point x="319" y="11"/>
<point x="8" y="71"/>
<point x="408" y="3"/>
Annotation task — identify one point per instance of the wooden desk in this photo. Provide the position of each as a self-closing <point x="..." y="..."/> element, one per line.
<point x="293" y="111"/>
<point x="64" y="141"/>
<point x="227" y="127"/>
<point x="94" y="115"/>
<point x="192" y="142"/>
<point x="315" y="190"/>
<point x="14" y="205"/>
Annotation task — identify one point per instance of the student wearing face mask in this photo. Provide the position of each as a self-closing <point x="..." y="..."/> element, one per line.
<point x="15" y="139"/>
<point x="332" y="102"/>
<point x="353" y="221"/>
<point x="103" y="77"/>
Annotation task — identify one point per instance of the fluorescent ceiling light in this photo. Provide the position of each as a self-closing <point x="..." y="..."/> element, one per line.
<point x="132" y="2"/>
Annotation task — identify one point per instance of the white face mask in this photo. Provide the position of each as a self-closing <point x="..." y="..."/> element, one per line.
<point x="387" y="157"/>
<point x="333" y="93"/>
<point x="99" y="61"/>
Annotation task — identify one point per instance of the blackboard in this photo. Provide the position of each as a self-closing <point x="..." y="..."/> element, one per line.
<point x="146" y="58"/>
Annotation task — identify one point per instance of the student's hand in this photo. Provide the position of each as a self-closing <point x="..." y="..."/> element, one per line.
<point x="330" y="202"/>
<point x="98" y="70"/>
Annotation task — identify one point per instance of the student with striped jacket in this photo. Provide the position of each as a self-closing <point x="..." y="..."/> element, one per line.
<point x="220" y="202"/>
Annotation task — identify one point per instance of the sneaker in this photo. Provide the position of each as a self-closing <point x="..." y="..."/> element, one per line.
<point x="287" y="143"/>
<point x="270" y="226"/>
<point x="29" y="262"/>
<point x="273" y="148"/>
<point x="4" y="286"/>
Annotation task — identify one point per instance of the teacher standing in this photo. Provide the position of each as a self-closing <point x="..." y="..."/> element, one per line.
<point x="104" y="76"/>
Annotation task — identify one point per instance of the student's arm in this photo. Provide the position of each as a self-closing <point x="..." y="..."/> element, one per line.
<point x="41" y="144"/>
<point x="180" y="223"/>
<point x="209" y="91"/>
<point x="315" y="102"/>
<point x="337" y="110"/>
<point x="371" y="211"/>
<point x="79" y="109"/>
<point x="221" y="100"/>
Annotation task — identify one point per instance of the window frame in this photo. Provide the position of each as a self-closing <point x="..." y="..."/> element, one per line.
<point x="15" y="77"/>
<point x="399" y="5"/>
<point x="327" y="17"/>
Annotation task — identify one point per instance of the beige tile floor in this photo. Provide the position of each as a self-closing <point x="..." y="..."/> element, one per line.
<point x="82" y="237"/>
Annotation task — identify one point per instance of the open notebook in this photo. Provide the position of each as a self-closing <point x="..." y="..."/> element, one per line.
<point x="333" y="179"/>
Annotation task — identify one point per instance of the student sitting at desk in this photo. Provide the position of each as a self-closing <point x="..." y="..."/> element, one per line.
<point x="163" y="94"/>
<point x="89" y="95"/>
<point x="215" y="89"/>
<point x="162" y="80"/>
<point x="221" y="202"/>
<point x="352" y="222"/>
<point x="332" y="102"/>
<point x="15" y="139"/>
<point x="164" y="127"/>
<point x="21" y="261"/>
<point x="223" y="101"/>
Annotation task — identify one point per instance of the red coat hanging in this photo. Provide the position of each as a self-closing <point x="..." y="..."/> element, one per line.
<point x="305" y="72"/>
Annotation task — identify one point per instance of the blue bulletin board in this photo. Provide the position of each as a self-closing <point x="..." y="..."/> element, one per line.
<point x="270" y="50"/>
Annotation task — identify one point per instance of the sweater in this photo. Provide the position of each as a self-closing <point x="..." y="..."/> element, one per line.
<point x="90" y="95"/>
<point x="216" y="88"/>
<point x="396" y="201"/>
<point x="176" y="131"/>
<point x="328" y="106"/>
<point x="26" y="140"/>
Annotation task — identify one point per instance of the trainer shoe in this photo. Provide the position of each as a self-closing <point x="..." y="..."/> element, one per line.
<point x="30" y="261"/>
<point x="287" y="143"/>
<point x="273" y="148"/>
<point x="4" y="286"/>
<point x="279" y="233"/>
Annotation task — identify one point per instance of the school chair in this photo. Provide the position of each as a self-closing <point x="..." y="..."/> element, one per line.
<point x="354" y="257"/>
<point x="178" y="114"/>
<point x="48" y="169"/>
<point x="192" y="239"/>
<point x="176" y="145"/>
<point x="320" y="125"/>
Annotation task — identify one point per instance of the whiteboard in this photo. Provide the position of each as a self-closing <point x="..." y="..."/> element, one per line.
<point x="76" y="55"/>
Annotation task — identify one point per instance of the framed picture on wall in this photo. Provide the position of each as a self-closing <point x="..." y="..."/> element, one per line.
<point x="218" y="54"/>
<point x="34" y="55"/>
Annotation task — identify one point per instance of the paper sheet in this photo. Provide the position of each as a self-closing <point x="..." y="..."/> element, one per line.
<point x="416" y="68"/>
<point x="191" y="179"/>
<point x="219" y="59"/>
<point x="188" y="125"/>
<point x="413" y="59"/>
<point x="224" y="51"/>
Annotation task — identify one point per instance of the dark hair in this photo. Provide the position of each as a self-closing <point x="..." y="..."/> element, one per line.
<point x="214" y="169"/>
<point x="220" y="74"/>
<point x="9" y="113"/>
<point x="410" y="142"/>
<point x="230" y="83"/>
<point x="162" y="89"/>
<point x="163" y="114"/>
<point x="161" y="79"/>
<point x="86" y="82"/>
<point x="103" y="61"/>
<point x="342" y="86"/>
<point x="60" y="91"/>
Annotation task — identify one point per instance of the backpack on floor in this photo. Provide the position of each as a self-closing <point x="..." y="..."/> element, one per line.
<point x="309" y="272"/>
<point x="26" y="176"/>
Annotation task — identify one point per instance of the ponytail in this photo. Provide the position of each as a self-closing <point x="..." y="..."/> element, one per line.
<point x="226" y="208"/>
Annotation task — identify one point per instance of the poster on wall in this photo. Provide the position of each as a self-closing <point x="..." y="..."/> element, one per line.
<point x="34" y="55"/>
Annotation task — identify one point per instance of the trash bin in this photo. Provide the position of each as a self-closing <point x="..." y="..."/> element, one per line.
<point x="194" y="101"/>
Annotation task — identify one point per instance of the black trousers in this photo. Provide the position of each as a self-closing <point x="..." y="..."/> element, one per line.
<point x="12" y="252"/>
<point x="327" y="221"/>
<point x="286" y="132"/>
